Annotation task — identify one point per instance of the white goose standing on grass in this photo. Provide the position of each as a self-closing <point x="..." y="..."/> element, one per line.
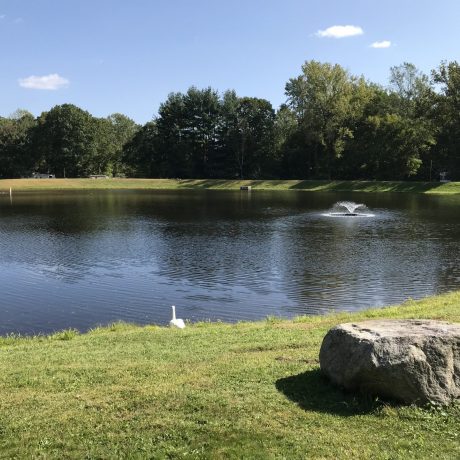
<point x="176" y="322"/>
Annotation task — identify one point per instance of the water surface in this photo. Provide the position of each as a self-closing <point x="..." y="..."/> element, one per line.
<point x="79" y="259"/>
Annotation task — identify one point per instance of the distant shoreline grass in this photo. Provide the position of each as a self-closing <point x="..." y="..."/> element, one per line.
<point x="212" y="390"/>
<point x="30" y="185"/>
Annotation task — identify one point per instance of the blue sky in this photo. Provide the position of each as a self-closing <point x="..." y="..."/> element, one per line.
<point x="111" y="56"/>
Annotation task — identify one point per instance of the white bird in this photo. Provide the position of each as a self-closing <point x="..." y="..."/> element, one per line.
<point x="176" y="322"/>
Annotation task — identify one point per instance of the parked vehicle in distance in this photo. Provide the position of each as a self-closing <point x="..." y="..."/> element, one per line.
<point x="37" y="175"/>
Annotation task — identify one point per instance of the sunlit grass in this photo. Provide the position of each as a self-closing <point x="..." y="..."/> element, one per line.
<point x="212" y="390"/>
<point x="216" y="184"/>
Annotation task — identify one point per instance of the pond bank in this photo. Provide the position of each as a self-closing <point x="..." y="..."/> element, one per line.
<point x="212" y="390"/>
<point x="19" y="185"/>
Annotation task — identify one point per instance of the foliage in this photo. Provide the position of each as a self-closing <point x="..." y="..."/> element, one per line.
<point x="447" y="114"/>
<point x="200" y="134"/>
<point x="16" y="155"/>
<point x="65" y="140"/>
<point x="327" y="101"/>
<point x="115" y="132"/>
<point x="333" y="125"/>
<point x="70" y="142"/>
<point x="254" y="133"/>
<point x="389" y="147"/>
<point x="140" y="153"/>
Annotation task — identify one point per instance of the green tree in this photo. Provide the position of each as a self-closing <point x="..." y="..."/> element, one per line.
<point x="294" y="156"/>
<point x="395" y="136"/>
<point x="202" y="112"/>
<point x="447" y="116"/>
<point x="16" y="155"/>
<point x="141" y="155"/>
<point x="254" y="151"/>
<point x="412" y="88"/>
<point x="66" y="139"/>
<point x="224" y="163"/>
<point x="200" y="134"/>
<point x="413" y="97"/>
<point x="327" y="101"/>
<point x="187" y="128"/>
<point x="390" y="147"/>
<point x="172" y="143"/>
<point x="114" y="132"/>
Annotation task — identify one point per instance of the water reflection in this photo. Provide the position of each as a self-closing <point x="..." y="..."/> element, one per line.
<point x="79" y="259"/>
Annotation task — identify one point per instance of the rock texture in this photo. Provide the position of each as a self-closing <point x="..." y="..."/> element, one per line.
<point x="414" y="361"/>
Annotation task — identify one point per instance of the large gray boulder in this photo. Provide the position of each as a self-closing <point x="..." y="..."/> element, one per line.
<point x="414" y="361"/>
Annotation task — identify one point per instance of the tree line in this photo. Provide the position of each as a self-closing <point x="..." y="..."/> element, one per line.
<point x="334" y="125"/>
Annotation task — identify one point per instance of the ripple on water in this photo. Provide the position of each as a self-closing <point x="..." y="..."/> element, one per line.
<point x="80" y="262"/>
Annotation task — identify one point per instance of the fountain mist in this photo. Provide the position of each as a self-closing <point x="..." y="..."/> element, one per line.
<point x="348" y="209"/>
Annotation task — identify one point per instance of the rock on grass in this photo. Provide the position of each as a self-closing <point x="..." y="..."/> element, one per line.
<point x="413" y="361"/>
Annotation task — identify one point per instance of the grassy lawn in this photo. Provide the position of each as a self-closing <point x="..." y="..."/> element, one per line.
<point x="216" y="184"/>
<point x="249" y="390"/>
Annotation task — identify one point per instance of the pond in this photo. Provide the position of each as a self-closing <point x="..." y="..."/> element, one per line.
<point x="81" y="259"/>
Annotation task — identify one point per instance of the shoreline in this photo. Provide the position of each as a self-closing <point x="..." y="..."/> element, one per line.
<point x="33" y="185"/>
<point x="211" y="390"/>
<point x="410" y="306"/>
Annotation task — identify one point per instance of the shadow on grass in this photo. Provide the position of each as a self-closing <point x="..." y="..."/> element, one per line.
<point x="233" y="183"/>
<point x="366" y="186"/>
<point x="310" y="185"/>
<point x="208" y="183"/>
<point x="312" y="392"/>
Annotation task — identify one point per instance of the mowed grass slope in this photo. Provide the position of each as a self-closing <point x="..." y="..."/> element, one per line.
<point x="249" y="390"/>
<point x="23" y="185"/>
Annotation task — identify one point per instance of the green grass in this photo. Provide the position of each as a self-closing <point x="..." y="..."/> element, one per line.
<point x="19" y="185"/>
<point x="250" y="390"/>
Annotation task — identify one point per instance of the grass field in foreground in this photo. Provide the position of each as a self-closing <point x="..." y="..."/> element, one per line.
<point x="19" y="185"/>
<point x="249" y="390"/>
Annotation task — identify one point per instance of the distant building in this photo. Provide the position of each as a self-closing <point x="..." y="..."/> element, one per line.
<point x="37" y="175"/>
<point x="98" y="176"/>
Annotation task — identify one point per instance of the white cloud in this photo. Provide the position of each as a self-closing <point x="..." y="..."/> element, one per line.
<point x="340" y="32"/>
<point x="52" y="81"/>
<point x="382" y="44"/>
